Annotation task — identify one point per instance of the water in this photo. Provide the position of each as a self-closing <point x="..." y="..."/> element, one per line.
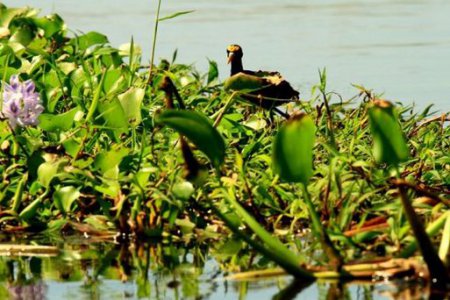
<point x="96" y="270"/>
<point x="399" y="48"/>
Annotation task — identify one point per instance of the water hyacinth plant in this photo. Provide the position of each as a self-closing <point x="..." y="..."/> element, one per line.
<point x="106" y="159"/>
<point x="21" y="103"/>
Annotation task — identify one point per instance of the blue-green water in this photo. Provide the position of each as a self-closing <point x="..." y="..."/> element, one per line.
<point x="92" y="270"/>
<point x="399" y="48"/>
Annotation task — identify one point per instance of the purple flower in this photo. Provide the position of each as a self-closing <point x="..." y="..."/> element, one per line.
<point x="21" y="104"/>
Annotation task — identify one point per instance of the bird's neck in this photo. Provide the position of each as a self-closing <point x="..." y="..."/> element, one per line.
<point x="236" y="67"/>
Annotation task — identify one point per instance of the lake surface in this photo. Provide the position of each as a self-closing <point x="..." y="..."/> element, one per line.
<point x="399" y="48"/>
<point x="87" y="269"/>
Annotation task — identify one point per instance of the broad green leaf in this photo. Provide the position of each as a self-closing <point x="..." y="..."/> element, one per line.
<point x="67" y="67"/>
<point x="90" y="39"/>
<point x="49" y="170"/>
<point x="389" y="144"/>
<point x="199" y="130"/>
<point x="60" y="122"/>
<point x="50" y="24"/>
<point x="131" y="104"/>
<point x="243" y="82"/>
<point x="113" y="114"/>
<point x="23" y="36"/>
<point x="8" y="14"/>
<point x="72" y="146"/>
<point x="180" y="13"/>
<point x="64" y="198"/>
<point x="114" y="81"/>
<point x="292" y="149"/>
<point x="129" y="49"/>
<point x="110" y="159"/>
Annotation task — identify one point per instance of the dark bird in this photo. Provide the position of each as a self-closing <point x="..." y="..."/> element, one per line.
<point x="267" y="89"/>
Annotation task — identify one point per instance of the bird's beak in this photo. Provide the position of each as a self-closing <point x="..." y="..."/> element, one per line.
<point x="230" y="57"/>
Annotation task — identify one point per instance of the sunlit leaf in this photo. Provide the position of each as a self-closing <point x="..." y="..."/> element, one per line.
<point x="131" y="104"/>
<point x="243" y="82"/>
<point x="50" y="24"/>
<point x="8" y="14"/>
<point x="49" y="170"/>
<point x="199" y="130"/>
<point x="389" y="144"/>
<point x="113" y="114"/>
<point x="114" y="80"/>
<point x="90" y="39"/>
<point x="110" y="159"/>
<point x="292" y="149"/>
<point x="64" y="197"/>
<point x="58" y="122"/>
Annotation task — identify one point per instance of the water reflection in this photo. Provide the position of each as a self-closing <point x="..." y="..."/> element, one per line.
<point x="164" y="271"/>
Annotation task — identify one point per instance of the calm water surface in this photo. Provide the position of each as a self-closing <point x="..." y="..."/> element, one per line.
<point x="399" y="48"/>
<point x="93" y="270"/>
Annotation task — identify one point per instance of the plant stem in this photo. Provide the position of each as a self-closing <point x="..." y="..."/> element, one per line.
<point x="155" y="32"/>
<point x="438" y="272"/>
<point x="224" y="109"/>
<point x="320" y="232"/>
<point x="327" y="108"/>
<point x="292" y="267"/>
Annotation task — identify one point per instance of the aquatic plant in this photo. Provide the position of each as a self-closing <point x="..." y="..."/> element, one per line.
<point x="21" y="104"/>
<point x="124" y="153"/>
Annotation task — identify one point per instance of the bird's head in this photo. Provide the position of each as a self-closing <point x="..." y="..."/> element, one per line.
<point x="234" y="52"/>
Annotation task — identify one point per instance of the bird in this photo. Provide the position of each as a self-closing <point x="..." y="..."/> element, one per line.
<point x="268" y="89"/>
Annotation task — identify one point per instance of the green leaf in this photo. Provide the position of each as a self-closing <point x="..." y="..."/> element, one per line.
<point x="110" y="159"/>
<point x="199" y="130"/>
<point x="64" y="198"/>
<point x="72" y="146"/>
<point x="389" y="144"/>
<point x="292" y="149"/>
<point x="131" y="102"/>
<point x="60" y="122"/>
<point x="50" y="24"/>
<point x="23" y="36"/>
<point x="8" y="14"/>
<point x="49" y="170"/>
<point x="175" y="15"/>
<point x="243" y="82"/>
<point x="114" y="80"/>
<point x="113" y="114"/>
<point x="90" y="39"/>
<point x="213" y="72"/>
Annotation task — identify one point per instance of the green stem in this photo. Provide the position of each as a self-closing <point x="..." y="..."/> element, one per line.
<point x="224" y="109"/>
<point x="320" y="232"/>
<point x="95" y="99"/>
<point x="292" y="267"/>
<point x="155" y="32"/>
<point x="438" y="272"/>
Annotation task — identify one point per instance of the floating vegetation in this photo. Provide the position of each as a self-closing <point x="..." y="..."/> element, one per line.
<point x="97" y="145"/>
